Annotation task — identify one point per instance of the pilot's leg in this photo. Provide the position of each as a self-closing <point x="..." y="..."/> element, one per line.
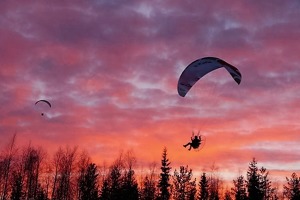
<point x="187" y="144"/>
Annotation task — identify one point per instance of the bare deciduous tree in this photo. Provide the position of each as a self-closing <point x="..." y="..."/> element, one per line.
<point x="31" y="164"/>
<point x="6" y="162"/>
<point x="64" y="183"/>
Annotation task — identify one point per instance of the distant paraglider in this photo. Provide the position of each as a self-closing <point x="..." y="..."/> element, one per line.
<point x="197" y="142"/>
<point x="197" y="69"/>
<point x="43" y="101"/>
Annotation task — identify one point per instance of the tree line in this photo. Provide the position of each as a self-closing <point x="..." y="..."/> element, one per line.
<point x="28" y="173"/>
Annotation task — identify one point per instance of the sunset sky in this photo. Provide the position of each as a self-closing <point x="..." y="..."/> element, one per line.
<point x="110" y="70"/>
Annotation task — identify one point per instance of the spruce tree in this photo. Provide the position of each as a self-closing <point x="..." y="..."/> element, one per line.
<point x="253" y="179"/>
<point x="239" y="190"/>
<point x="148" y="189"/>
<point x="203" y="185"/>
<point x="112" y="185"/>
<point x="129" y="186"/>
<point x="292" y="189"/>
<point x="163" y="184"/>
<point x="258" y="184"/>
<point x="105" y="190"/>
<point x="265" y="184"/>
<point x="88" y="185"/>
<point x="214" y="187"/>
<point x="115" y="181"/>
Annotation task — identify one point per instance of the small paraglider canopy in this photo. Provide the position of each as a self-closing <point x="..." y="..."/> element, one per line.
<point x="197" y="69"/>
<point x="45" y="102"/>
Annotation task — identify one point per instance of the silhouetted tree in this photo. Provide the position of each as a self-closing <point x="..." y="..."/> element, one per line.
<point x="258" y="184"/>
<point x="163" y="184"/>
<point x="103" y="181"/>
<point x="292" y="189"/>
<point x="6" y="162"/>
<point x="203" y="185"/>
<point x="17" y="186"/>
<point x="57" y="160"/>
<point x="105" y="192"/>
<point x="148" y="189"/>
<point x="148" y="186"/>
<point x="82" y="166"/>
<point x="112" y="185"/>
<point x="253" y="181"/>
<point x="214" y="184"/>
<point x="267" y="191"/>
<point x="47" y="178"/>
<point x="88" y="185"/>
<point x="192" y="190"/>
<point x="239" y="189"/>
<point x="64" y="160"/>
<point x="32" y="159"/>
<point x="183" y="186"/>
<point x="129" y="184"/>
<point x="213" y="188"/>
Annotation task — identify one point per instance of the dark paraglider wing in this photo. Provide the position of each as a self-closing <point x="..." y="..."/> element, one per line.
<point x="45" y="101"/>
<point x="199" y="68"/>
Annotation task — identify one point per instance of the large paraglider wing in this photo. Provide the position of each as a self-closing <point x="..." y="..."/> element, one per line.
<point x="197" y="69"/>
<point x="47" y="102"/>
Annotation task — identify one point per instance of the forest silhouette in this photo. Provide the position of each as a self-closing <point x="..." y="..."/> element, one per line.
<point x="29" y="173"/>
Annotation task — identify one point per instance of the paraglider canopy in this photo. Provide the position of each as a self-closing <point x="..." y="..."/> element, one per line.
<point x="44" y="102"/>
<point x="197" y="69"/>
